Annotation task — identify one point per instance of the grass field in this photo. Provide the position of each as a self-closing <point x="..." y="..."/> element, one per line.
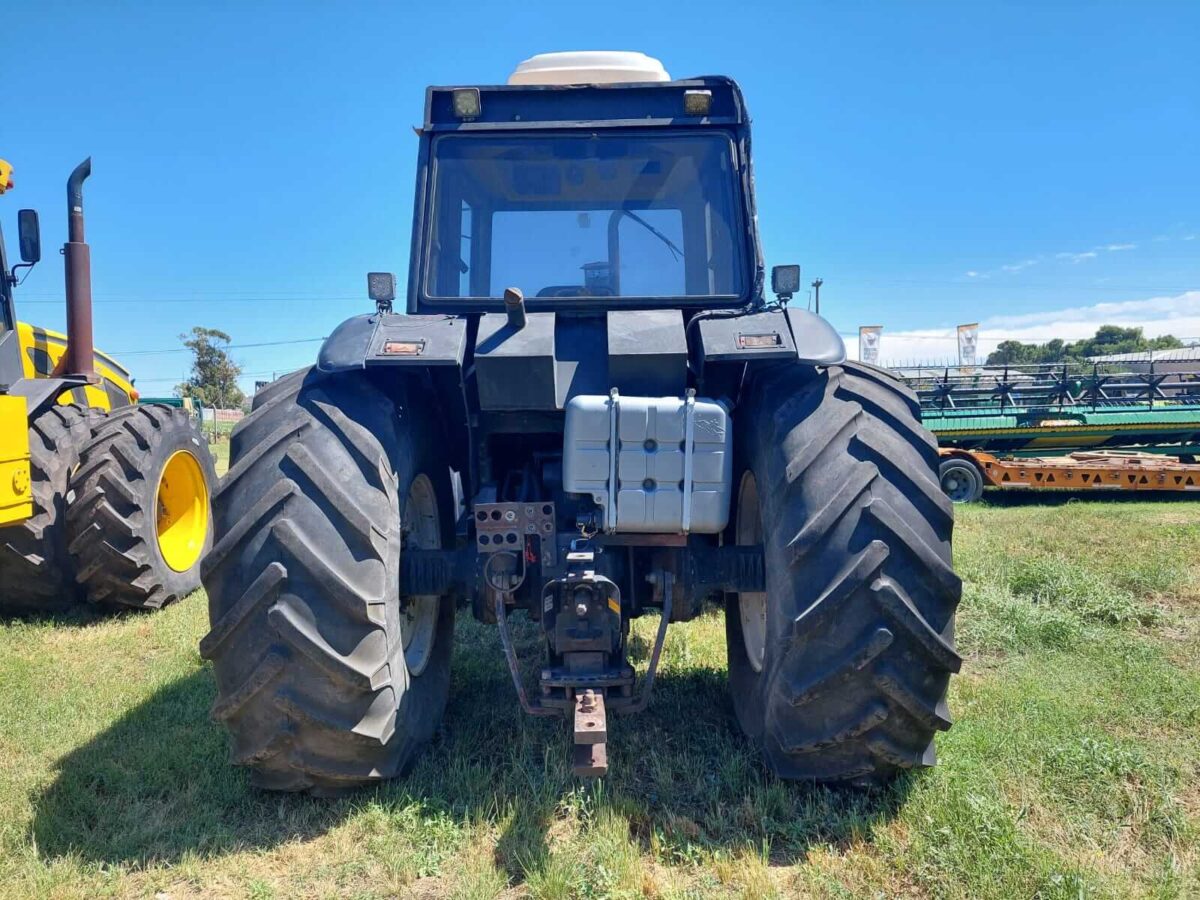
<point x="1073" y="768"/>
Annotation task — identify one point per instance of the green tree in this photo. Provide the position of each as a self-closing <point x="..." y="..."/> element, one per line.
<point x="1115" y="339"/>
<point x="1014" y="353"/>
<point x="213" y="381"/>
<point x="1107" y="339"/>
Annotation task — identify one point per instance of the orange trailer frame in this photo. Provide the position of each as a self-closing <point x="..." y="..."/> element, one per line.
<point x="1097" y="470"/>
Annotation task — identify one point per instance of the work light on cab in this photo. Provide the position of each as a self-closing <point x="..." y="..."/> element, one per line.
<point x="697" y="103"/>
<point x="466" y="103"/>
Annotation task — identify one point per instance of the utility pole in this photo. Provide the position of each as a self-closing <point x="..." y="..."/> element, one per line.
<point x="817" y="288"/>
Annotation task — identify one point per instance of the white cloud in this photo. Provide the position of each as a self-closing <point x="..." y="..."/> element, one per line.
<point x="1017" y="267"/>
<point x="1022" y="265"/>
<point x="1178" y="315"/>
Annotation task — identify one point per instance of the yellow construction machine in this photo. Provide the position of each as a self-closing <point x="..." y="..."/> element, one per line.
<point x="100" y="497"/>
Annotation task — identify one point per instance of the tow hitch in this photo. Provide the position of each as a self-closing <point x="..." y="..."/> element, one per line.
<point x="583" y="613"/>
<point x="588" y="675"/>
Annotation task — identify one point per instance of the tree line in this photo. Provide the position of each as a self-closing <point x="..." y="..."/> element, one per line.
<point x="1108" y="339"/>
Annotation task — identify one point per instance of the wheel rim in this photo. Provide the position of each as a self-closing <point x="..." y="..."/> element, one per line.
<point x="958" y="484"/>
<point x="181" y="502"/>
<point x="752" y="606"/>
<point x="419" y="614"/>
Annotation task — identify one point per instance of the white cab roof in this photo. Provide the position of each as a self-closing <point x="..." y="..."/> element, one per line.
<point x="588" y="67"/>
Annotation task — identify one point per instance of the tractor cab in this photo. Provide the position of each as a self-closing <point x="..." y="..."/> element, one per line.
<point x="604" y="196"/>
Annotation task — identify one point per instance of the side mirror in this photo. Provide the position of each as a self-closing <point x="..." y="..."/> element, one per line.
<point x="30" y="235"/>
<point x="785" y="280"/>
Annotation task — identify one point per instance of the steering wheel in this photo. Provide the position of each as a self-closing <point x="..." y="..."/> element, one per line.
<point x="575" y="290"/>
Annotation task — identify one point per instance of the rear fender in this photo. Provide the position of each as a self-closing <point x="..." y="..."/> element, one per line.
<point x="427" y="351"/>
<point x="409" y="342"/>
<point x="817" y="343"/>
<point x="790" y="335"/>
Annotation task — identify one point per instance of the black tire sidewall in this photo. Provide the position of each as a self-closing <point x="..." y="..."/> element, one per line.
<point x="747" y="687"/>
<point x="423" y="702"/>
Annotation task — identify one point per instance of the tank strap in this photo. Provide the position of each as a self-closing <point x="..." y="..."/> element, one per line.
<point x="689" y="439"/>
<point x="614" y="448"/>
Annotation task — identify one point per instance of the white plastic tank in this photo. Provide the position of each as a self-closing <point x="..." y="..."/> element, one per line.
<point x="673" y="465"/>
<point x="589" y="67"/>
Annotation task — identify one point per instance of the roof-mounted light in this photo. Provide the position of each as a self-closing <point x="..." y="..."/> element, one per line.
<point x="466" y="103"/>
<point x="697" y="103"/>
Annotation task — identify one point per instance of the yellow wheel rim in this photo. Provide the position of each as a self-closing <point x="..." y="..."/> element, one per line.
<point x="182" y="504"/>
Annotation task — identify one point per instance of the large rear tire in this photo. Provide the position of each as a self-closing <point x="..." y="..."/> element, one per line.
<point x="839" y="670"/>
<point x="36" y="572"/>
<point x="140" y="521"/>
<point x="327" y="678"/>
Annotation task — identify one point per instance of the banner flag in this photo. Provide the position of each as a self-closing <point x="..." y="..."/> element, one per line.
<point x="868" y="343"/>
<point x="968" y="343"/>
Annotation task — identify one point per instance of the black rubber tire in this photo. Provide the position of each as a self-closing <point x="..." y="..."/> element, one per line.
<point x="304" y="586"/>
<point x="860" y="591"/>
<point x="112" y="521"/>
<point x="965" y="474"/>
<point x="36" y="572"/>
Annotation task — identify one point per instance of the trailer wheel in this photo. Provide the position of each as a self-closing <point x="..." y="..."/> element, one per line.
<point x="839" y="670"/>
<point x="140" y="521"/>
<point x="327" y="676"/>
<point x="960" y="480"/>
<point x="36" y="572"/>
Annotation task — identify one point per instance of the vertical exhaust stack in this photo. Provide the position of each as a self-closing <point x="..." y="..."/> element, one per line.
<point x="80" y="356"/>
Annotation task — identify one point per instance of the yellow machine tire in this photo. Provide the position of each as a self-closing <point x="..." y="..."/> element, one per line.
<point x="36" y="570"/>
<point x="141" y="520"/>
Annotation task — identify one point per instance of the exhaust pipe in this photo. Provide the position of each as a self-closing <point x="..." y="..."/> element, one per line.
<point x="80" y="355"/>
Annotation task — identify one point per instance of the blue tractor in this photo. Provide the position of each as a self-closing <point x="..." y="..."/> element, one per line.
<point x="593" y="407"/>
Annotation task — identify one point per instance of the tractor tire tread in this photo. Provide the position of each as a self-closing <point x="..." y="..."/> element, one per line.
<point x="302" y="585"/>
<point x="857" y="535"/>
<point x="112" y="524"/>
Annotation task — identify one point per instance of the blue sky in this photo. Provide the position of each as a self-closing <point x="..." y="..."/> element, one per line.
<point x="1033" y="166"/>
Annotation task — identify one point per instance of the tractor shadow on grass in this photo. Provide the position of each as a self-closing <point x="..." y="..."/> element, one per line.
<point x="682" y="778"/>
<point x="67" y="615"/>
<point x="157" y="785"/>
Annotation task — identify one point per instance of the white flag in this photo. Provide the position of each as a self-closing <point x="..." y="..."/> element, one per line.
<point x="968" y="342"/>
<point x="868" y="343"/>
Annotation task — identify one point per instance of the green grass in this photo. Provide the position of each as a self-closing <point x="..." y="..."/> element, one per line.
<point x="219" y="448"/>
<point x="1073" y="768"/>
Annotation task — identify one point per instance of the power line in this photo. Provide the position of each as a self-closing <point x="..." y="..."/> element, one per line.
<point x="182" y="300"/>
<point x="179" y="380"/>
<point x="950" y="336"/>
<point x="1040" y="286"/>
<point x="227" y="347"/>
<point x="297" y="297"/>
